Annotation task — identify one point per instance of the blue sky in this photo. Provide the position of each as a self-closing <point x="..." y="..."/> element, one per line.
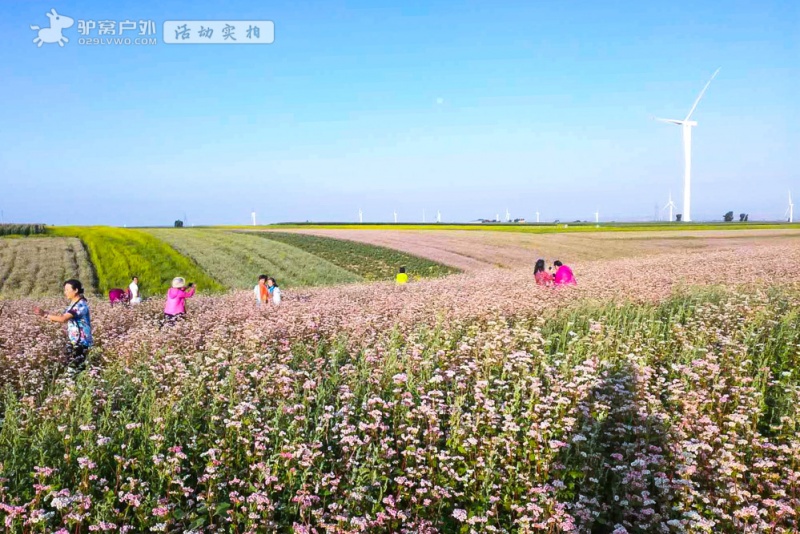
<point x="465" y="107"/>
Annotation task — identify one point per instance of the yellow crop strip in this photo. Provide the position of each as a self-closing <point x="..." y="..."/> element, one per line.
<point x="120" y="253"/>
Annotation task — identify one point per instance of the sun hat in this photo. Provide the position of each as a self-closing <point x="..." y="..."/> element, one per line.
<point x="178" y="282"/>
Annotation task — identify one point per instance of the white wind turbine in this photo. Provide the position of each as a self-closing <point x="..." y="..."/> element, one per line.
<point x="790" y="209"/>
<point x="597" y="216"/>
<point x="686" y="125"/>
<point x="253" y="215"/>
<point x="537" y="216"/>
<point x="395" y="216"/>
<point x="670" y="206"/>
<point x="508" y="216"/>
<point x="438" y="216"/>
<point x="360" y="216"/>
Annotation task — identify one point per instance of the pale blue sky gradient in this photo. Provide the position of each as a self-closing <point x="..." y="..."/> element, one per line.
<point x="544" y="105"/>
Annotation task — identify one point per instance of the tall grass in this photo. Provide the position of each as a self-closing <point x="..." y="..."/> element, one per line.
<point x="117" y="254"/>
<point x="236" y="259"/>
<point x="372" y="262"/>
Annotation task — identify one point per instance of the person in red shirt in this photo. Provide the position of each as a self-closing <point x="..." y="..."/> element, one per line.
<point x="543" y="278"/>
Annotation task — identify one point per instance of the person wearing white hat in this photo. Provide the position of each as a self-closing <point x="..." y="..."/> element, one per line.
<point x="175" y="307"/>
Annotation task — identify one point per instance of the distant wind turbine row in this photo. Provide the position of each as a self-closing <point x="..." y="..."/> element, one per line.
<point x="394" y="215"/>
<point x="439" y="216"/>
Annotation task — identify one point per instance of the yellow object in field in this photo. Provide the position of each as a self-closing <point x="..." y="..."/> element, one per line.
<point x="401" y="278"/>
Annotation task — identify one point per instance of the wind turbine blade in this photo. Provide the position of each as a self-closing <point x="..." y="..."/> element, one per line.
<point x="668" y="121"/>
<point x="701" y="95"/>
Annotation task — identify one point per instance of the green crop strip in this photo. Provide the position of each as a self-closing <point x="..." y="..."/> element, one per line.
<point x="368" y="261"/>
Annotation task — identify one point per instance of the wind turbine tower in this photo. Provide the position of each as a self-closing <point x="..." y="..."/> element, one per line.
<point x="360" y="216"/>
<point x="686" y="126"/>
<point x="253" y="215"/>
<point x="423" y="215"/>
<point x="537" y="217"/>
<point x="670" y="206"/>
<point x="395" y="216"/>
<point x="597" y="216"/>
<point x="438" y="216"/>
<point x="508" y="216"/>
<point x="790" y="209"/>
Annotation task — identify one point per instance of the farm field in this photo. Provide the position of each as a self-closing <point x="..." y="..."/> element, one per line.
<point x="621" y="405"/>
<point x="37" y="266"/>
<point x="216" y="260"/>
<point x="117" y="254"/>
<point x="371" y="262"/>
<point x="221" y="259"/>
<point x="237" y="258"/>
<point x="474" y="250"/>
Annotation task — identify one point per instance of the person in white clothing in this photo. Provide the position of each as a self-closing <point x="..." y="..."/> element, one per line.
<point x="133" y="290"/>
<point x="274" y="291"/>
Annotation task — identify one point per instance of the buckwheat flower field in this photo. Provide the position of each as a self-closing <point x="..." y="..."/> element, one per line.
<point x="660" y="395"/>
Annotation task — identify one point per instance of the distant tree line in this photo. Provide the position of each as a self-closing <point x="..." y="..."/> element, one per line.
<point x="743" y="217"/>
<point x="21" y="229"/>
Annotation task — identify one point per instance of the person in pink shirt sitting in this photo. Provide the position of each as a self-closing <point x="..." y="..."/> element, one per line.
<point x="175" y="307"/>
<point x="564" y="276"/>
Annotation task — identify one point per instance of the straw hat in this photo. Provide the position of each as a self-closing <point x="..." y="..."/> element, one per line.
<point x="178" y="282"/>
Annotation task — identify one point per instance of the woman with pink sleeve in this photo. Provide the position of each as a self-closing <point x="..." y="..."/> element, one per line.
<point x="175" y="307"/>
<point x="564" y="276"/>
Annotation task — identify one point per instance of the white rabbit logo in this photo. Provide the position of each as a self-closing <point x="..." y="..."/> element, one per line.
<point x="53" y="33"/>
